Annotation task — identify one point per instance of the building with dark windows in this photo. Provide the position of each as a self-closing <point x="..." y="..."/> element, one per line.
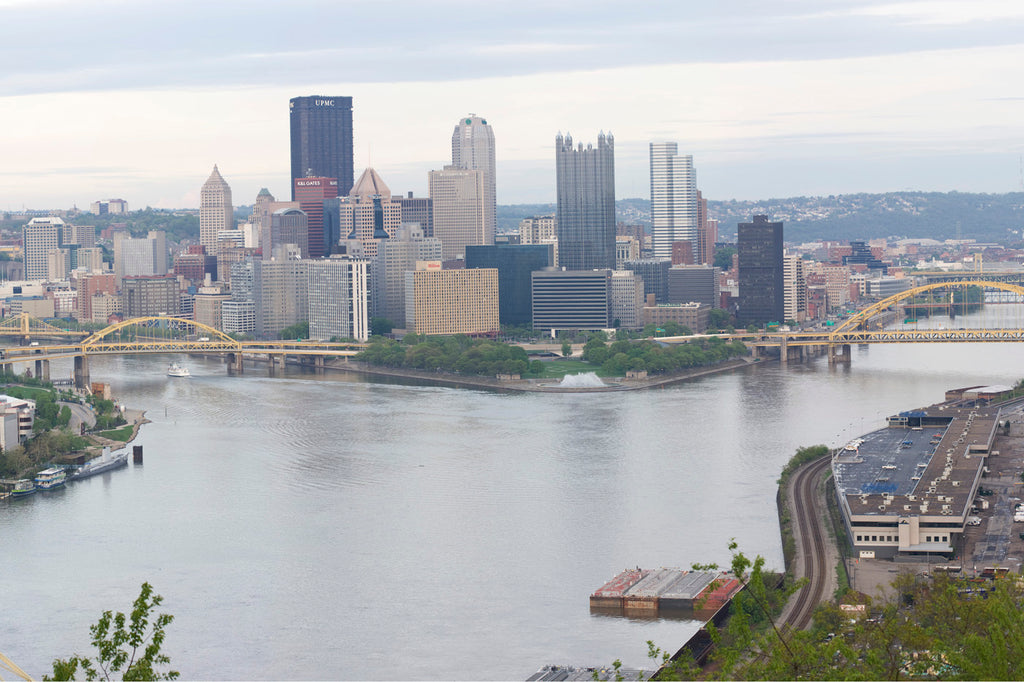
<point x="572" y="299"/>
<point x="321" y="135"/>
<point x="586" y="203"/>
<point x="762" y="292"/>
<point x="310" y="193"/>
<point x="515" y="265"/>
<point x="694" y="283"/>
<point x="861" y="254"/>
<point x="654" y="272"/>
<point x="144" y="296"/>
<point x="417" y="210"/>
<point x="289" y="226"/>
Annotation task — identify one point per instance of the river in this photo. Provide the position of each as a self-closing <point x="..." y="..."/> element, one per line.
<point x="304" y="527"/>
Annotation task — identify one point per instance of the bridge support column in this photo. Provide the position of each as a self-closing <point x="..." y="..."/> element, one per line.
<point x="784" y="351"/>
<point x="275" y="364"/>
<point x="838" y="353"/>
<point x="318" y="363"/>
<point x="235" y="363"/>
<point x="81" y="372"/>
<point x="43" y="370"/>
<point x="7" y="368"/>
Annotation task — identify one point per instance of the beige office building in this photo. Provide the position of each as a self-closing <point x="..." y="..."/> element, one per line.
<point x="451" y="301"/>
<point x="460" y="205"/>
<point x="538" y="229"/>
<point x="215" y="210"/>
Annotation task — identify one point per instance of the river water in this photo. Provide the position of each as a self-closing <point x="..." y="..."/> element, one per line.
<point x="304" y="527"/>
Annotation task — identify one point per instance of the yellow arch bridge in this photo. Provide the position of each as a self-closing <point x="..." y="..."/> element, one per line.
<point x="870" y="325"/>
<point x="153" y="335"/>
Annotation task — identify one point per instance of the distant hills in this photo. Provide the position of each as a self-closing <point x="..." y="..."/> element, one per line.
<point x="916" y="215"/>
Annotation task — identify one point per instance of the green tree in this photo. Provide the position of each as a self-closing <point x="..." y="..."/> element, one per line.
<point x="299" y="331"/>
<point x="566" y="348"/>
<point x="128" y="647"/>
<point x="381" y="326"/>
<point x="723" y="257"/>
<point x="64" y="416"/>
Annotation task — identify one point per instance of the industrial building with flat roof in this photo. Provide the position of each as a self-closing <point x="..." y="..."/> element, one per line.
<point x="906" y="491"/>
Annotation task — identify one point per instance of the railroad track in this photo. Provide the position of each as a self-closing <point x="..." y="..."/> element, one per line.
<point x="809" y="517"/>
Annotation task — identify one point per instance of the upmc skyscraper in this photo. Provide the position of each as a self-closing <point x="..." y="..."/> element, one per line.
<point x="322" y="139"/>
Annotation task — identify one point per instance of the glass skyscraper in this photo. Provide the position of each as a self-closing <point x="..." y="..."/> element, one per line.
<point x="674" y="207"/>
<point x="586" y="203"/>
<point x="321" y="132"/>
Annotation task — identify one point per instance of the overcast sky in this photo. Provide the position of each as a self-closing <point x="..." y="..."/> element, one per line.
<point x="138" y="99"/>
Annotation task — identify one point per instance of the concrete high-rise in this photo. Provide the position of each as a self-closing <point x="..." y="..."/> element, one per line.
<point x="215" y="210"/>
<point x="365" y="217"/>
<point x="459" y="197"/>
<point x="39" y="237"/>
<point x="394" y="258"/>
<point x="759" y="248"/>
<point x="795" y="283"/>
<point x="586" y="203"/>
<point x="473" y="149"/>
<point x="339" y="298"/>
<point x="321" y="137"/>
<point x="674" y="207"/>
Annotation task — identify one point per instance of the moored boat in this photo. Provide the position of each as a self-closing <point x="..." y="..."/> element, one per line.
<point x="23" y="487"/>
<point x="51" y="478"/>
<point x="176" y="370"/>
<point x="101" y="464"/>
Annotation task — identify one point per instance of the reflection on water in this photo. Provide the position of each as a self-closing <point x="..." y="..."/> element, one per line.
<point x="330" y="527"/>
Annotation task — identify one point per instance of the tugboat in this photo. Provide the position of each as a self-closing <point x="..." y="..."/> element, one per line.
<point x="176" y="370"/>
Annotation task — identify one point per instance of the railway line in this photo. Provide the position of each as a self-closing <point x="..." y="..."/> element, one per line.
<point x="812" y="560"/>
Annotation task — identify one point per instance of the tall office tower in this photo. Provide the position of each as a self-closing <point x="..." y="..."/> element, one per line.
<point x="339" y="298"/>
<point x="144" y="296"/>
<point x="394" y="258"/>
<point x="39" y="237"/>
<point x="357" y="216"/>
<point x="288" y="226"/>
<point x="311" y="192"/>
<point x="707" y="233"/>
<point x="194" y="265"/>
<point x="627" y="307"/>
<point x="140" y="257"/>
<point x="759" y="247"/>
<point x="451" y="301"/>
<point x="460" y="206"/>
<point x="321" y="129"/>
<point x="586" y="203"/>
<point x="674" y="208"/>
<point x="259" y="217"/>
<point x="572" y="299"/>
<point x="515" y="264"/>
<point x="417" y="210"/>
<point x="280" y="295"/>
<point x="215" y="210"/>
<point x="795" y="284"/>
<point x="626" y="248"/>
<point x="90" y="259"/>
<point x="473" y="149"/>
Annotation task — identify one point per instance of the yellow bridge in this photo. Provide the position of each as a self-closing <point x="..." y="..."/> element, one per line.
<point x="867" y="326"/>
<point x="153" y="335"/>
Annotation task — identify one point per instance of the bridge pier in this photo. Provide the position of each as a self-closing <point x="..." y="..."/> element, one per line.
<point x="235" y="364"/>
<point x="318" y="363"/>
<point x="275" y="364"/>
<point x="43" y="370"/>
<point x="838" y="353"/>
<point x="81" y="372"/>
<point x="7" y="368"/>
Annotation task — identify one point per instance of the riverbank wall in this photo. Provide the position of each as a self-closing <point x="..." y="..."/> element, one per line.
<point x="544" y="385"/>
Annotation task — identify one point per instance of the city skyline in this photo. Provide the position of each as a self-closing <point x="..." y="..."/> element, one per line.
<point x="800" y="99"/>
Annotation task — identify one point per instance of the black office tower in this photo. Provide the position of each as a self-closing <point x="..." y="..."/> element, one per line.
<point x="321" y="128"/>
<point x="515" y="265"/>
<point x="759" y="246"/>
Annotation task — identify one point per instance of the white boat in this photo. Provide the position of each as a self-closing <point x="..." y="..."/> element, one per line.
<point x="51" y="478"/>
<point x="176" y="370"/>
